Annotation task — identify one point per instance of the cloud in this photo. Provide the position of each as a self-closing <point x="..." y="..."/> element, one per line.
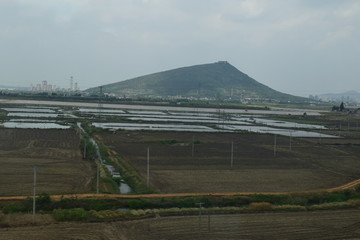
<point x="245" y="9"/>
<point x="157" y="34"/>
<point x="349" y="10"/>
<point x="251" y="8"/>
<point x="334" y="37"/>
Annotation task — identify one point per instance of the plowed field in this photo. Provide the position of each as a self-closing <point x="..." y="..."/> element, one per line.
<point x="329" y="225"/>
<point x="56" y="155"/>
<point x="309" y="164"/>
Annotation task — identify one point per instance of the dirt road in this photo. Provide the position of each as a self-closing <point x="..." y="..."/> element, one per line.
<point x="349" y="185"/>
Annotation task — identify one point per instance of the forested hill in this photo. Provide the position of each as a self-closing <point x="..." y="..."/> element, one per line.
<point x="218" y="80"/>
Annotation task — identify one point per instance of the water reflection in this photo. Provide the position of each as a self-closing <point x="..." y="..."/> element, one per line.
<point x="28" y="114"/>
<point x="30" y="109"/>
<point x="277" y="123"/>
<point x="283" y="132"/>
<point x="37" y="125"/>
<point x="156" y="127"/>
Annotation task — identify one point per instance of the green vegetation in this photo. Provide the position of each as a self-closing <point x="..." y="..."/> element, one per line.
<point x="108" y="209"/>
<point x="254" y="202"/>
<point x="130" y="175"/>
<point x="216" y="81"/>
<point x="2" y="114"/>
<point x="75" y="214"/>
<point x="107" y="214"/>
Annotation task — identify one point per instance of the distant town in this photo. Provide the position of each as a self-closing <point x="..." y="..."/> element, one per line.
<point x="44" y="86"/>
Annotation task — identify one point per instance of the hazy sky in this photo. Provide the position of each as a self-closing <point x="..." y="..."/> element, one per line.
<point x="295" y="46"/>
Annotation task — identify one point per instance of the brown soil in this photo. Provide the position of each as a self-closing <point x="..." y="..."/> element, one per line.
<point x="309" y="165"/>
<point x="341" y="224"/>
<point x="56" y="155"/>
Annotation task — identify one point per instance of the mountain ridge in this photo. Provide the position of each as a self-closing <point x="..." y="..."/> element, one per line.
<point x="219" y="80"/>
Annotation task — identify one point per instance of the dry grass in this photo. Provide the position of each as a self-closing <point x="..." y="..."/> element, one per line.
<point x="20" y="220"/>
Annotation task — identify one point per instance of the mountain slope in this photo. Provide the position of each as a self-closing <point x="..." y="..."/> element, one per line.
<point x="215" y="80"/>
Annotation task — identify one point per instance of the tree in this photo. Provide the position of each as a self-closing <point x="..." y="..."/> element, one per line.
<point x="342" y="106"/>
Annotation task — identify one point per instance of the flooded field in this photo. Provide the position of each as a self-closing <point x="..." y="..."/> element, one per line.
<point x="30" y="109"/>
<point x="155" y="127"/>
<point x="275" y="111"/>
<point x="191" y="149"/>
<point x="276" y="131"/>
<point x="33" y="114"/>
<point x="35" y="125"/>
<point x="284" y="124"/>
<point x="163" y="120"/>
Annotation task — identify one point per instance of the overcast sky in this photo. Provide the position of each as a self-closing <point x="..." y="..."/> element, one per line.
<point x="300" y="47"/>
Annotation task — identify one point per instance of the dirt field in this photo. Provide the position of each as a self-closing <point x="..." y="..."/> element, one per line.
<point x="291" y="226"/>
<point x="56" y="155"/>
<point x="309" y="164"/>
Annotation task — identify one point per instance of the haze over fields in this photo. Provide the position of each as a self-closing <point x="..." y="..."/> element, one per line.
<point x="296" y="47"/>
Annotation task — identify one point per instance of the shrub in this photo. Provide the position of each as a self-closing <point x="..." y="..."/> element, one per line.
<point x="138" y="203"/>
<point x="260" y="206"/>
<point x="269" y="198"/>
<point x="336" y="197"/>
<point x="15" y="208"/>
<point x="75" y="214"/>
<point x="234" y="201"/>
<point x="297" y="199"/>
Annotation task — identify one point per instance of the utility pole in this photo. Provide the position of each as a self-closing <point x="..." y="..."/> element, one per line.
<point x="200" y="208"/>
<point x="209" y="222"/>
<point x="290" y="140"/>
<point x="97" y="176"/>
<point x="148" y="168"/>
<point x="340" y="129"/>
<point x="275" y="146"/>
<point x="192" y="146"/>
<point x="84" y="148"/>
<point x="100" y="105"/>
<point x="232" y="155"/>
<point x="34" y="195"/>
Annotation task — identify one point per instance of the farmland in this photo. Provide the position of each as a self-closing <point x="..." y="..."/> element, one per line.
<point x="178" y="165"/>
<point x="183" y="161"/>
<point x="56" y="155"/>
<point x="340" y="224"/>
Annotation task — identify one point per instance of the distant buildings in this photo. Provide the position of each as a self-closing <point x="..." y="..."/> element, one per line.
<point x="44" y="86"/>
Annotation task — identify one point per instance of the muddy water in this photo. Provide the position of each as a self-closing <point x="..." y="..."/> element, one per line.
<point x="124" y="188"/>
<point x="163" y="108"/>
